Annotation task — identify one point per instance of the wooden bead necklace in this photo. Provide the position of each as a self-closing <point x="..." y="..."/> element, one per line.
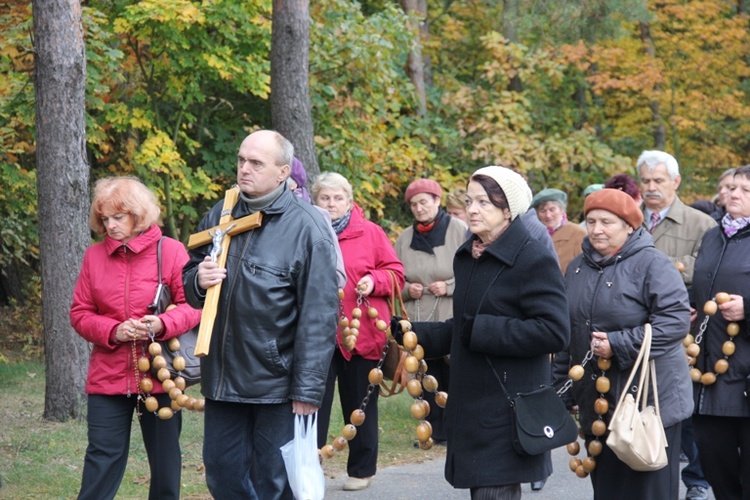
<point x="692" y="345"/>
<point x="350" y="327"/>
<point x="175" y="388"/>
<point x="416" y="366"/>
<point x="582" y="468"/>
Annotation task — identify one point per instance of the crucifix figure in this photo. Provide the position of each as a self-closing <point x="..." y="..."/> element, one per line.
<point x="220" y="235"/>
<point x="217" y="235"/>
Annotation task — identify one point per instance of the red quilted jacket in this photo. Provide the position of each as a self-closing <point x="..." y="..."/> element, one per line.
<point x="118" y="282"/>
<point x="367" y="250"/>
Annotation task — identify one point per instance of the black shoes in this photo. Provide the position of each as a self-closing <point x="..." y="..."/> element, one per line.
<point x="696" y="493"/>
<point x="537" y="485"/>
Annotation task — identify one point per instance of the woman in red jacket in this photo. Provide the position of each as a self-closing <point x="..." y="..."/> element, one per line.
<point x="110" y="309"/>
<point x="368" y="258"/>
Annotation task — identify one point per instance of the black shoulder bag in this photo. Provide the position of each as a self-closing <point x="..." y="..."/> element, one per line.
<point x="162" y="300"/>
<point x="540" y="421"/>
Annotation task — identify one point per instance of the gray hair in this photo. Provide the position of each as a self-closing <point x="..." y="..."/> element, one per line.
<point x="286" y="150"/>
<point x="331" y="180"/>
<point x="654" y="158"/>
<point x="726" y="173"/>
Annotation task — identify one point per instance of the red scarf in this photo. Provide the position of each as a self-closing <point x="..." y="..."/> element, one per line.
<point x="425" y="228"/>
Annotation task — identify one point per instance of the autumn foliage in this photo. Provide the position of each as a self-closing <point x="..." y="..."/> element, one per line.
<point x="174" y="85"/>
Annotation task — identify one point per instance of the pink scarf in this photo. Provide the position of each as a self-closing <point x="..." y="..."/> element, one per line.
<point x="563" y="220"/>
<point x="731" y="225"/>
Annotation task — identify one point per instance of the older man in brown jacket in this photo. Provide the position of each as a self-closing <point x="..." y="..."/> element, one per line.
<point x="677" y="230"/>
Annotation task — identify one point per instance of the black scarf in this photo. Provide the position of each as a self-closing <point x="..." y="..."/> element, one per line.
<point x="425" y="242"/>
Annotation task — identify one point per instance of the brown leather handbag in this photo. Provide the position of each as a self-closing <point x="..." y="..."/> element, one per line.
<point x="394" y="374"/>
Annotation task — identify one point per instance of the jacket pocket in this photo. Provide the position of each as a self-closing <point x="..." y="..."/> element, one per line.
<point x="274" y="359"/>
<point x="270" y="289"/>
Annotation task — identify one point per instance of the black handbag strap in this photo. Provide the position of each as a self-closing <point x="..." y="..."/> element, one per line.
<point x="481" y="303"/>
<point x="497" y="376"/>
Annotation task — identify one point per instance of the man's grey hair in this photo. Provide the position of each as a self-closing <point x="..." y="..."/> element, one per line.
<point x="654" y="158"/>
<point x="286" y="150"/>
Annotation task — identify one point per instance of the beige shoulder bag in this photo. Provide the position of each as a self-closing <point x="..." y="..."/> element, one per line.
<point x="636" y="433"/>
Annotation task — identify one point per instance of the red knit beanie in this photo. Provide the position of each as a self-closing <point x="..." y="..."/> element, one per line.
<point x="423" y="186"/>
<point x="617" y="202"/>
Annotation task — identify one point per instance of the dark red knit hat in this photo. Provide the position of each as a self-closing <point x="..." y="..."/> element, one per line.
<point x="423" y="186"/>
<point x="617" y="202"/>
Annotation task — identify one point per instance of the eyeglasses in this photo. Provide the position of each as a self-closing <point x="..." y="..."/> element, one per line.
<point x="254" y="164"/>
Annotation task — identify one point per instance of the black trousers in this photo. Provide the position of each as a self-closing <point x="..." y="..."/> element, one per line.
<point x="109" y="423"/>
<point x="724" y="450"/>
<point x="508" y="492"/>
<point x="353" y="383"/>
<point x="439" y="369"/>
<point x="613" y="479"/>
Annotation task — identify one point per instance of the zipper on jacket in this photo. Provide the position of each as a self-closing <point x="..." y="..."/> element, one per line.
<point x="230" y="293"/>
<point x="129" y="365"/>
<point x="590" y="323"/>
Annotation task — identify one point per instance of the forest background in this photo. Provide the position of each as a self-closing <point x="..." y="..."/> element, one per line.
<point x="566" y="93"/>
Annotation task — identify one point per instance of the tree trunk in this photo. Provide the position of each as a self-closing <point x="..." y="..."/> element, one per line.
<point x="417" y="9"/>
<point x="510" y="33"/>
<point x="510" y="20"/>
<point x="291" y="113"/>
<point x="63" y="195"/>
<point x="659" y="131"/>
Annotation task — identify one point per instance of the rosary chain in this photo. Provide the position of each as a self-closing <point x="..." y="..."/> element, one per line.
<point x="569" y="383"/>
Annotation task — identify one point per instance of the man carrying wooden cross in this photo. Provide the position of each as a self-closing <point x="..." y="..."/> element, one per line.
<point x="275" y="326"/>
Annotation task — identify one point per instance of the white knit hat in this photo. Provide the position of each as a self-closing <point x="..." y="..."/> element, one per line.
<point x="513" y="185"/>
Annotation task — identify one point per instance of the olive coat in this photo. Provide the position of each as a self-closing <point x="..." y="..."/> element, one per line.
<point x="509" y="309"/>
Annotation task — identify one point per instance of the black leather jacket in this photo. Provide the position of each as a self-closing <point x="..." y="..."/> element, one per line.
<point x="275" y="328"/>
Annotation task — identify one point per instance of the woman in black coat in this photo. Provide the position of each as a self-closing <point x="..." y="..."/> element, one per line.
<point x="509" y="313"/>
<point x="722" y="408"/>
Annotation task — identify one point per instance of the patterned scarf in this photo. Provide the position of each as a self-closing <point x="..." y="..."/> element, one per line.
<point x="478" y="248"/>
<point x="731" y="225"/>
<point x="340" y="224"/>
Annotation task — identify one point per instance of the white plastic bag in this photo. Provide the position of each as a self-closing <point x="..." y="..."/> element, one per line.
<point x="301" y="460"/>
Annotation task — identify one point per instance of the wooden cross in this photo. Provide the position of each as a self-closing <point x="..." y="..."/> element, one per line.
<point x="223" y="232"/>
